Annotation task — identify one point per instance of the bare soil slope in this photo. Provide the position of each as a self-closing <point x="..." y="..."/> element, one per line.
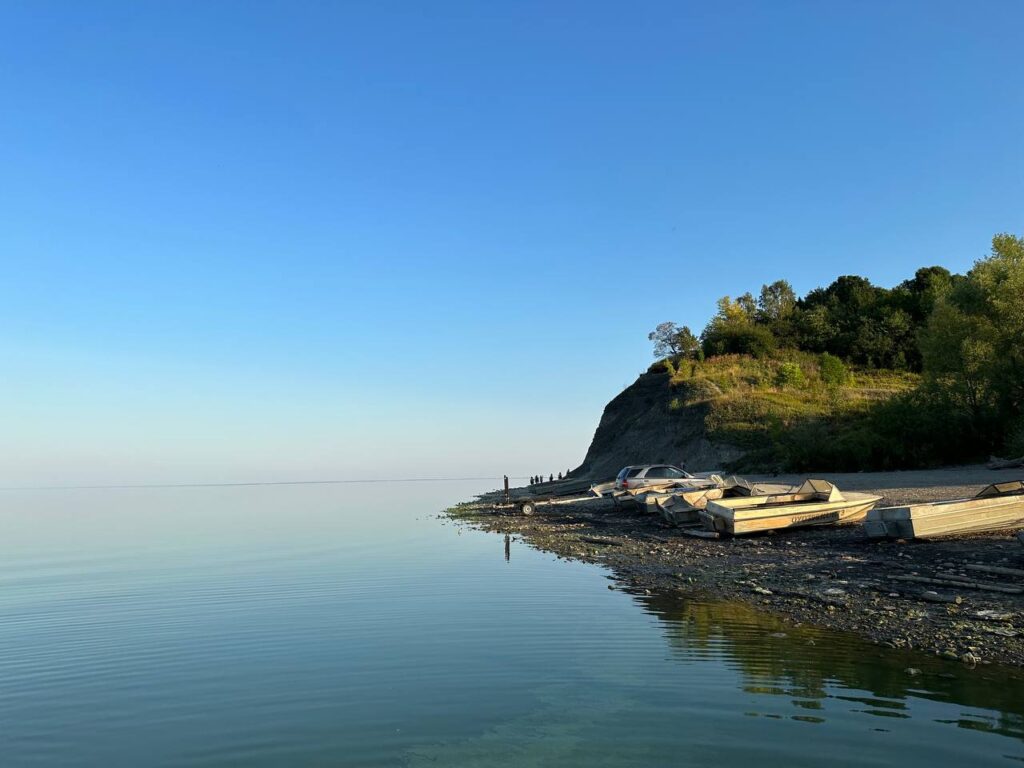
<point x="639" y="427"/>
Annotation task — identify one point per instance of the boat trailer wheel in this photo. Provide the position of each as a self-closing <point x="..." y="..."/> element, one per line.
<point x="527" y="508"/>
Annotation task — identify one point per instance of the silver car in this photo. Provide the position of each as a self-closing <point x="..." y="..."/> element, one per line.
<point x="648" y="474"/>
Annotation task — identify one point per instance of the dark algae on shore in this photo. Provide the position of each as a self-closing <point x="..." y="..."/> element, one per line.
<point x="894" y="594"/>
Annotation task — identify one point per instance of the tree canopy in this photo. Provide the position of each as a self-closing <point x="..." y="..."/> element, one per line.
<point x="671" y="340"/>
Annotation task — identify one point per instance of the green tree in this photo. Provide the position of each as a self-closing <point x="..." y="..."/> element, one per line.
<point x="671" y="340"/>
<point x="776" y="302"/>
<point x="973" y="345"/>
<point x="918" y="296"/>
<point x="733" y="330"/>
<point x="748" y="305"/>
<point x="815" y="329"/>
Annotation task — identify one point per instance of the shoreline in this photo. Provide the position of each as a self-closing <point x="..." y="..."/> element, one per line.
<point x="828" y="577"/>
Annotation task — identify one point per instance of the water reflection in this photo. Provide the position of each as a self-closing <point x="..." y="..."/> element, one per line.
<point x="818" y="670"/>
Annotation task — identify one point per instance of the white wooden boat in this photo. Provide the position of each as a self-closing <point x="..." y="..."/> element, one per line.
<point x="683" y="508"/>
<point x="638" y="497"/>
<point x="996" y="507"/>
<point x="816" y="502"/>
<point x="652" y="500"/>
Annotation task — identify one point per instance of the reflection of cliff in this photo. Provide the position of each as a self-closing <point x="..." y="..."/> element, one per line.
<point x="807" y="664"/>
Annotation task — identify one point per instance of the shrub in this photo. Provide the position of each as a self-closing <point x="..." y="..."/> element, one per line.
<point x="833" y="372"/>
<point x="789" y="375"/>
<point x="739" y="339"/>
<point x="698" y="390"/>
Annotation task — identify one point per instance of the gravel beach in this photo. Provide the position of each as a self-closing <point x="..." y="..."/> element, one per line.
<point x="832" y="577"/>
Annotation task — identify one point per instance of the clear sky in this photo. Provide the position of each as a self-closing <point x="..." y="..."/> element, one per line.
<point x="252" y="240"/>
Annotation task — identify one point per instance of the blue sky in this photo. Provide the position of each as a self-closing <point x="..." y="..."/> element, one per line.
<point x="298" y="240"/>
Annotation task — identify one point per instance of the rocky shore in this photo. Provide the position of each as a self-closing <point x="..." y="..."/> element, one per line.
<point x="958" y="598"/>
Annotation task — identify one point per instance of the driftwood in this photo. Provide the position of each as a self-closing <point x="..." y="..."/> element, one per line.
<point x="601" y="542"/>
<point x="960" y="584"/>
<point x="995" y="569"/>
<point x="699" y="533"/>
<point x="997" y="463"/>
<point x="935" y="597"/>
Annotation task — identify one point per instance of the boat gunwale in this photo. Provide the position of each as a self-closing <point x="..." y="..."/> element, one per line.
<point x="743" y="503"/>
<point x="946" y="507"/>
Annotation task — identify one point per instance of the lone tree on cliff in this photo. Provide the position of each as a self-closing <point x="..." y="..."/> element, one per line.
<point x="670" y="340"/>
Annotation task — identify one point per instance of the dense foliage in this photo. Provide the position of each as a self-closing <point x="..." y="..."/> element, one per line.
<point x="850" y="319"/>
<point x="958" y="338"/>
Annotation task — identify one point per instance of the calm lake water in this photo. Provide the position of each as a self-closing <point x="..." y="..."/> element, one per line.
<point x="348" y="625"/>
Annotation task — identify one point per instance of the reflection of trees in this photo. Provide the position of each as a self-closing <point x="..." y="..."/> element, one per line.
<point x="805" y="663"/>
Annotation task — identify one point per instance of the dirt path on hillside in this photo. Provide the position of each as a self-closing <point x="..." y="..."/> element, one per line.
<point x="830" y="577"/>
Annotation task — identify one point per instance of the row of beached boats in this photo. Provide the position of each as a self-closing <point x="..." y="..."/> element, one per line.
<point x="735" y="507"/>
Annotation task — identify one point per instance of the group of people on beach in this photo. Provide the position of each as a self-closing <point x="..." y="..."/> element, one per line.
<point x="535" y="479"/>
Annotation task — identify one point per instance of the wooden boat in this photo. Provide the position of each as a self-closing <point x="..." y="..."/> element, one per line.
<point x="816" y="502"/>
<point x="656" y="497"/>
<point x="638" y="497"/>
<point x="996" y="507"/>
<point x="683" y="508"/>
<point x="600" y="489"/>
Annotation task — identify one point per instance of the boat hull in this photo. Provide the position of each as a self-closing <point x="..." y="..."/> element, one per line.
<point x="950" y="518"/>
<point x="779" y="513"/>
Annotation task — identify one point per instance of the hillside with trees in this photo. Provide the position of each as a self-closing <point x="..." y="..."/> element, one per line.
<point x="849" y="377"/>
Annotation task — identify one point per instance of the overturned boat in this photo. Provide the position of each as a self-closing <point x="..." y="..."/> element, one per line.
<point x="816" y="502"/>
<point x="996" y="507"/>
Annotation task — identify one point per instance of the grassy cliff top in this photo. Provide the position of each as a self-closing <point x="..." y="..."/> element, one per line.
<point x="793" y="411"/>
